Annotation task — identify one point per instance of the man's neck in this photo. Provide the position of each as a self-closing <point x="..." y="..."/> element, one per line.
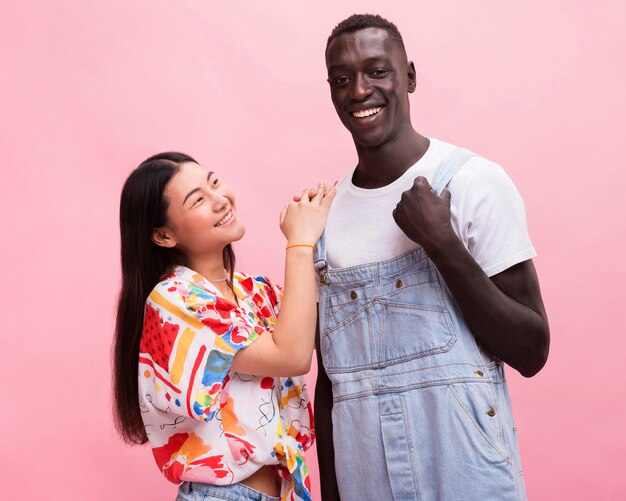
<point x="382" y="165"/>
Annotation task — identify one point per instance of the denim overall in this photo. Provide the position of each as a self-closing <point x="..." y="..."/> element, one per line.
<point x="420" y="410"/>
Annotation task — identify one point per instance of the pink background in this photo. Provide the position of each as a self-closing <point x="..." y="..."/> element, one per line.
<point x="89" y="89"/>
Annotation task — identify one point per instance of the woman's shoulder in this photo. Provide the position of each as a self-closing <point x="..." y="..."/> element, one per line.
<point x="182" y="284"/>
<point x="172" y="278"/>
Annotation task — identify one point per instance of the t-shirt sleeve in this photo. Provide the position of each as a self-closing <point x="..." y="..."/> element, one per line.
<point x="191" y="337"/>
<point x="491" y="218"/>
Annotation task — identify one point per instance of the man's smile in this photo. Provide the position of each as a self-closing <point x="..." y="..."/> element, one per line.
<point x="366" y="113"/>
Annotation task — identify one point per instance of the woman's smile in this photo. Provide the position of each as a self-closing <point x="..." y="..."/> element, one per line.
<point x="228" y="218"/>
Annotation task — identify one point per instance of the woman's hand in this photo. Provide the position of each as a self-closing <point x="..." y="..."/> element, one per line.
<point x="313" y="191"/>
<point x="287" y="351"/>
<point x="302" y="221"/>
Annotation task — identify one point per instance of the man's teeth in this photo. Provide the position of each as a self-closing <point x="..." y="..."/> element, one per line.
<point x="366" y="113"/>
<point x="225" y="219"/>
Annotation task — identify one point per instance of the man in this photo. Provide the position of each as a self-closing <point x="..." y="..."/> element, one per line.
<point x="426" y="287"/>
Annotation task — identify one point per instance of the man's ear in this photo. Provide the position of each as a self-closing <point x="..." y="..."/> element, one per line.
<point x="163" y="237"/>
<point x="412" y="75"/>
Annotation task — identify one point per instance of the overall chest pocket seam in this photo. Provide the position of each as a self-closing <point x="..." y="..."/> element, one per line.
<point x="392" y="295"/>
<point x="345" y="321"/>
<point x="416" y="279"/>
<point x="385" y="332"/>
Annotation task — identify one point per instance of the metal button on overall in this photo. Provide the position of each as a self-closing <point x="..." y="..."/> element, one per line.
<point x="491" y="413"/>
<point x="353" y="295"/>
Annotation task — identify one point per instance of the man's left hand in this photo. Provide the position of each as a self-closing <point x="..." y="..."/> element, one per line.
<point x="425" y="217"/>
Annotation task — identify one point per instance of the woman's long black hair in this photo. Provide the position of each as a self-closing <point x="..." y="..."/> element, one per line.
<point x="144" y="264"/>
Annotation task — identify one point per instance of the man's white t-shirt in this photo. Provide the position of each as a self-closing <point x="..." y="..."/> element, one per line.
<point x="487" y="214"/>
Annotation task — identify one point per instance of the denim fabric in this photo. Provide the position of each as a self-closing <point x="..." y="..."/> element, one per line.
<point x="420" y="411"/>
<point x="196" y="491"/>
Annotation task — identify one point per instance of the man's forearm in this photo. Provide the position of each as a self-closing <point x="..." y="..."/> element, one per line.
<point x="505" y="313"/>
<point x="323" y="406"/>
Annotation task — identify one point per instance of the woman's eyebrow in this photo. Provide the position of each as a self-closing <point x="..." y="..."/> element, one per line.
<point x="196" y="189"/>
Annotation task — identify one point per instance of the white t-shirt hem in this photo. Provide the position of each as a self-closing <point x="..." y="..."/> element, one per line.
<point x="516" y="258"/>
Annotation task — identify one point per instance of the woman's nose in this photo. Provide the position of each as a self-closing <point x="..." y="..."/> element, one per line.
<point x="219" y="202"/>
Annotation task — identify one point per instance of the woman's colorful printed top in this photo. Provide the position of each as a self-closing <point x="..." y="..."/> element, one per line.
<point x="204" y="423"/>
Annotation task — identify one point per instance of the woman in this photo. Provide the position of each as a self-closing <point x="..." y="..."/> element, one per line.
<point x="227" y="422"/>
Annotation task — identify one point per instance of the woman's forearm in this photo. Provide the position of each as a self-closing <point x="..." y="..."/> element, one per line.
<point x="287" y="351"/>
<point x="294" y="335"/>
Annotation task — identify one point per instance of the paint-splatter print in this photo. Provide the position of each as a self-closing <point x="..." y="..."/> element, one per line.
<point x="205" y="423"/>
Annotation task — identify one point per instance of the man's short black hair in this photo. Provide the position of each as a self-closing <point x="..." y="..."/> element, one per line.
<point x="357" y="22"/>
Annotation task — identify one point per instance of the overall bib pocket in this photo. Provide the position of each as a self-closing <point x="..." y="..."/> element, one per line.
<point x="411" y="331"/>
<point x="377" y="326"/>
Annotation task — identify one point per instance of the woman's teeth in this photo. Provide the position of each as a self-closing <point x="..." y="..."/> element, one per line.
<point x="366" y="113"/>
<point x="225" y="219"/>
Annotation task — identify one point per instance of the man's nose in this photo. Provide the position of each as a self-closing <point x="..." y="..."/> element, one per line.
<point x="361" y="88"/>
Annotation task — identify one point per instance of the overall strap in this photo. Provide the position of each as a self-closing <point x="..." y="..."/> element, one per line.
<point x="319" y="255"/>
<point x="446" y="170"/>
<point x="448" y="167"/>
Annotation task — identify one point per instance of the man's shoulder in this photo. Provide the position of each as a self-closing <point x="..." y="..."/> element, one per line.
<point x="445" y="148"/>
<point x="439" y="151"/>
<point x="480" y="172"/>
<point x="477" y="168"/>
